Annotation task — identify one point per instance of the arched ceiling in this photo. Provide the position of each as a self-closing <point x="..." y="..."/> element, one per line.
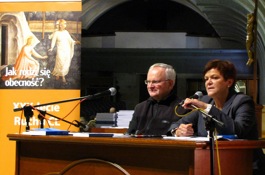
<point x="215" y="18"/>
<point x="224" y="19"/>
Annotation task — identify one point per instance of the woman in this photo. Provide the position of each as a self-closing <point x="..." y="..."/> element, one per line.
<point x="235" y="110"/>
<point x="26" y="66"/>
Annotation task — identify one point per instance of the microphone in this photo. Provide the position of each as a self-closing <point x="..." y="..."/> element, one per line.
<point x="111" y="91"/>
<point x="81" y="125"/>
<point x="197" y="95"/>
<point x="208" y="116"/>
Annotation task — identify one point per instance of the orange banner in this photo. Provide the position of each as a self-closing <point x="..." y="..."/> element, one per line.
<point x="40" y="64"/>
<point x="40" y="6"/>
<point x="15" y="122"/>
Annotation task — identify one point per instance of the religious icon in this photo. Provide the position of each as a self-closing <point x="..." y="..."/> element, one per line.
<point x="250" y="38"/>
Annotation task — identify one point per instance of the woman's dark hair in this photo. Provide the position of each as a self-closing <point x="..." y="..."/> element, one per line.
<point x="226" y="69"/>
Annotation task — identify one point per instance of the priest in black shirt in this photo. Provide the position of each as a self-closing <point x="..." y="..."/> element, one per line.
<point x="154" y="116"/>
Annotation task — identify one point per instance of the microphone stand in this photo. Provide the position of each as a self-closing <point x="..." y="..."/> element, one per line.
<point x="28" y="113"/>
<point x="88" y="97"/>
<point x="44" y="112"/>
<point x="41" y="118"/>
<point x="210" y="122"/>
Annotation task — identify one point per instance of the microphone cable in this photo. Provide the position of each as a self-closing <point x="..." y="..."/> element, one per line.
<point x="217" y="153"/>
<point x="185" y="114"/>
<point x="73" y="108"/>
<point x="57" y="119"/>
<point x="215" y="136"/>
<point x="41" y="115"/>
<point x="71" y="112"/>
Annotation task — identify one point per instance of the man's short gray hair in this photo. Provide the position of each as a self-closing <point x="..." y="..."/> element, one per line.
<point x="169" y="70"/>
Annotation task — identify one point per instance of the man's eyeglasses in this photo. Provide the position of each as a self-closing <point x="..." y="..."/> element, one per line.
<point x="154" y="81"/>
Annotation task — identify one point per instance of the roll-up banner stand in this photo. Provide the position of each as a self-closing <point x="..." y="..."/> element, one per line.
<point x="40" y="63"/>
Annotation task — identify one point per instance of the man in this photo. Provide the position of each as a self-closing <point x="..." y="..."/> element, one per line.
<point x="155" y="115"/>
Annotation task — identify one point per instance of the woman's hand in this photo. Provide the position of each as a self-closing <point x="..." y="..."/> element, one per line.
<point x="190" y="102"/>
<point x="184" y="130"/>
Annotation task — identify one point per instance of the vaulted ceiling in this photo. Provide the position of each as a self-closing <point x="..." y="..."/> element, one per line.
<point x="224" y="19"/>
<point x="215" y="18"/>
<point x="150" y="16"/>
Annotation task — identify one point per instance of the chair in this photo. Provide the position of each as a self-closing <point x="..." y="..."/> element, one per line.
<point x="91" y="167"/>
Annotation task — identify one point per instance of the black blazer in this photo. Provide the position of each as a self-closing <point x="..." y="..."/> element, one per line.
<point x="238" y="116"/>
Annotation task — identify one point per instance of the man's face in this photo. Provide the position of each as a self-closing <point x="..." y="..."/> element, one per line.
<point x="157" y="85"/>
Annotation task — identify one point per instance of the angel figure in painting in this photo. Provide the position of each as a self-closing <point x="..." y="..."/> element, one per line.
<point x="65" y="50"/>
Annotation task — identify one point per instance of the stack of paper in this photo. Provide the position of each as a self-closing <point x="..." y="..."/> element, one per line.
<point x="193" y="138"/>
<point x="106" y="119"/>
<point x="94" y="134"/>
<point x="124" y="118"/>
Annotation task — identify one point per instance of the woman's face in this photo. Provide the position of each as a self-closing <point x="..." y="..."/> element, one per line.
<point x="29" y="41"/>
<point x="215" y="84"/>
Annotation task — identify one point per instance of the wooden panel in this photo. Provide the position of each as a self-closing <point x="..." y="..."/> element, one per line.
<point x="143" y="160"/>
<point x="148" y="156"/>
<point x="230" y="160"/>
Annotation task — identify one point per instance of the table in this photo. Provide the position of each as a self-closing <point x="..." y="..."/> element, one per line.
<point x="39" y="155"/>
